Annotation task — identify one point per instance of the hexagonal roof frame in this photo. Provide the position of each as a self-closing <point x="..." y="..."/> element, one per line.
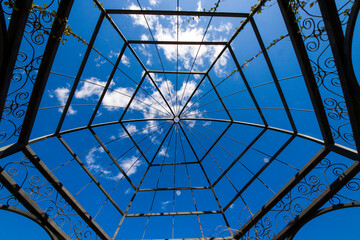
<point x="341" y="49"/>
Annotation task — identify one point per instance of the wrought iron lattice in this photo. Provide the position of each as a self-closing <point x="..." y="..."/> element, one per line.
<point x="174" y="123"/>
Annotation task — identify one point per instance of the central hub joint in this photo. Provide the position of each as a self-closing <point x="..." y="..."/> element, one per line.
<point x="176" y="119"/>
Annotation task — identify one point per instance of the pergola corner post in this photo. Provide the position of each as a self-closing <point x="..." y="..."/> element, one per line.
<point x="51" y="48"/>
<point x="60" y="188"/>
<point x="306" y="69"/>
<point x="350" y="89"/>
<point x="14" y="36"/>
<point x="30" y="205"/>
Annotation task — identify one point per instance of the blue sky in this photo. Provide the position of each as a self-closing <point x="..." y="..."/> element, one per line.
<point x="217" y="112"/>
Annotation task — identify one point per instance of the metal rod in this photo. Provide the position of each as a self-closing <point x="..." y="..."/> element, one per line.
<point x="79" y="73"/>
<point x="273" y="74"/>
<point x="176" y="72"/>
<point x="171" y="164"/>
<point x="132" y="97"/>
<point x="51" y="48"/>
<point x="112" y="158"/>
<point x="248" y="147"/>
<point x="262" y="169"/>
<point x="171" y="214"/>
<point x="324" y="197"/>
<point x="280" y="194"/>
<point x="247" y="85"/>
<point x="14" y="36"/>
<point x="349" y="85"/>
<point x="172" y="189"/>
<point x="30" y="205"/>
<point x="176" y="13"/>
<point x="176" y="43"/>
<point x="107" y="85"/>
<point x="220" y="98"/>
<point x="306" y="69"/>
<point x="60" y="188"/>
<point x="87" y="171"/>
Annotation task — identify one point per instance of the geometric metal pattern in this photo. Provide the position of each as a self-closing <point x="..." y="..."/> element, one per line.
<point x="185" y="151"/>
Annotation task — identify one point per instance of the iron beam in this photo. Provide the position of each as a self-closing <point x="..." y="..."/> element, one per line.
<point x="176" y="13"/>
<point x="172" y="189"/>
<point x="51" y="48"/>
<point x="172" y="214"/>
<point x="176" y="42"/>
<point x="306" y="69"/>
<point x="30" y="205"/>
<point x="13" y="39"/>
<point x="60" y="188"/>
<point x="350" y="86"/>
<point x="282" y="193"/>
<point x="325" y="196"/>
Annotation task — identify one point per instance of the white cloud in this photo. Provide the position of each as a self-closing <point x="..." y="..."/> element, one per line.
<point x="98" y="61"/>
<point x="163" y="152"/>
<point x="113" y="100"/>
<point x="130" y="165"/>
<point x="94" y="164"/>
<point x="113" y="54"/>
<point x="199" y="8"/>
<point x="143" y="49"/>
<point x="89" y="88"/>
<point x="131" y="128"/>
<point x="140" y="19"/>
<point x="166" y="29"/>
<point x="119" y="98"/>
<point x="125" y="60"/>
<point x="222" y="28"/>
<point x="150" y="106"/>
<point x="62" y="94"/>
<point x="207" y="123"/>
<point x="154" y="2"/>
<point x="127" y="191"/>
<point x="165" y="204"/>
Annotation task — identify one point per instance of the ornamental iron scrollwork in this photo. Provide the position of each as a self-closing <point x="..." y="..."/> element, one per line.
<point x="349" y="41"/>
<point x="305" y="192"/>
<point x="45" y="196"/>
<point x="26" y="68"/>
<point x="324" y="69"/>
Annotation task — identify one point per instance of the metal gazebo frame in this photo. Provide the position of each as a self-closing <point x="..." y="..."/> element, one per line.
<point x="341" y="48"/>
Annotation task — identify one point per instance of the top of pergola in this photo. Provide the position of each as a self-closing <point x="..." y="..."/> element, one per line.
<point x="164" y="120"/>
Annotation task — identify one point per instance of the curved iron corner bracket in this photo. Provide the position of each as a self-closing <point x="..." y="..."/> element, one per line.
<point x="29" y="216"/>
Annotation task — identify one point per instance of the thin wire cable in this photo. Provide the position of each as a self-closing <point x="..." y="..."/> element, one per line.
<point x="177" y="59"/>
<point x="212" y="189"/>
<point x="175" y="154"/>
<point x="107" y="143"/>
<point x="83" y="80"/>
<point x="255" y="149"/>
<point x="157" y="184"/>
<point x="242" y="164"/>
<point x="120" y="180"/>
<point x="157" y="50"/>
<point x="118" y="160"/>
<point x="107" y="199"/>
<point x="114" y="90"/>
<point x="222" y="81"/>
<point x="136" y="83"/>
<point x="192" y="192"/>
<point x="239" y="109"/>
<point x="202" y="40"/>
<point x="90" y="105"/>
<point x="233" y="185"/>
